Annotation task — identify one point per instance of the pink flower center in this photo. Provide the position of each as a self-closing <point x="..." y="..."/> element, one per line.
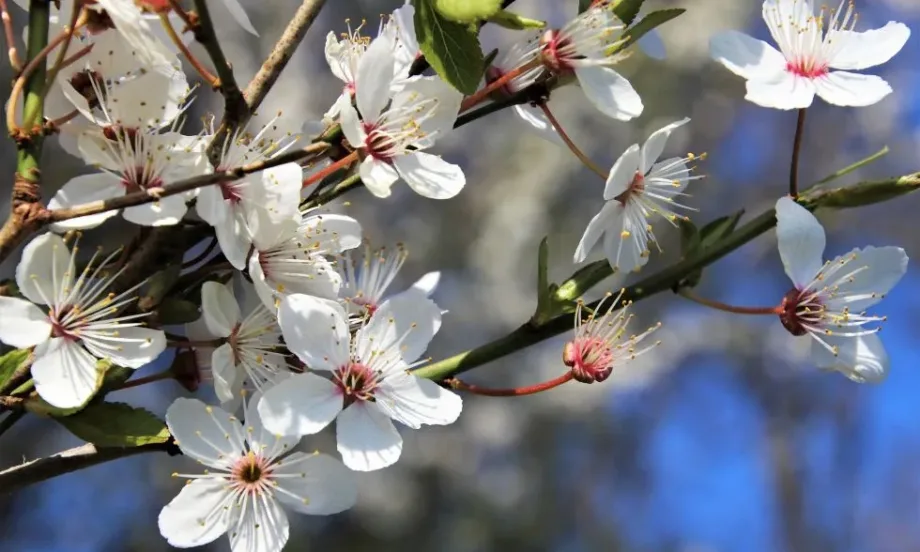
<point x="140" y="178"/>
<point x="555" y="52"/>
<point x="90" y="85"/>
<point x="636" y="187"/>
<point x="378" y="144"/>
<point x="59" y="326"/>
<point x="590" y="358"/>
<point x="365" y="302"/>
<point x="800" y="310"/>
<point x="230" y="191"/>
<point x="807" y="67"/>
<point x="356" y="382"/>
<point x="251" y="474"/>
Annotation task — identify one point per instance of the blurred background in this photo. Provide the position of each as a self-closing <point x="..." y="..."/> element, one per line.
<point x="724" y="438"/>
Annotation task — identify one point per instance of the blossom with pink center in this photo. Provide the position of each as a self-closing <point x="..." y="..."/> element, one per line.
<point x="598" y="346"/>
<point x="638" y="188"/>
<point x="82" y="325"/>
<point x="829" y="299"/>
<point x="391" y="130"/>
<point x="252" y="476"/>
<point x="370" y="382"/>
<point x="817" y="54"/>
<point x="365" y="282"/>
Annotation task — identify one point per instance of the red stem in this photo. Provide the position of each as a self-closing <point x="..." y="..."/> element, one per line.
<point x="730" y="308"/>
<point x="510" y="392"/>
<point x="323" y="173"/>
<point x="482" y="94"/>
<point x="568" y="142"/>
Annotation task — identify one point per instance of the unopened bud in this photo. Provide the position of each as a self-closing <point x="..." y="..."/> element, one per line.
<point x="589" y="358"/>
<point x="186" y="370"/>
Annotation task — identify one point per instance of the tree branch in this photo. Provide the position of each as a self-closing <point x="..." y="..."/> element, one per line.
<point x="85" y="456"/>
<point x="529" y="333"/>
<point x="234" y="103"/>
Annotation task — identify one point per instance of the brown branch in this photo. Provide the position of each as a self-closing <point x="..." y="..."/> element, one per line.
<point x="85" y="456"/>
<point x="149" y="196"/>
<point x="268" y="74"/>
<point x="12" y="52"/>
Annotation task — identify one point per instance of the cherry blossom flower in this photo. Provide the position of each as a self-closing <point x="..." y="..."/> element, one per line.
<point x="581" y="48"/>
<point x="251" y="478"/>
<point x="250" y="350"/>
<point x="290" y="257"/>
<point x="830" y="299"/>
<point x="638" y="187"/>
<point x="370" y="383"/>
<point x="82" y="323"/>
<point x="598" y="346"/>
<point x="365" y="282"/>
<point x="391" y="134"/>
<point x="139" y="31"/>
<point x="817" y="54"/>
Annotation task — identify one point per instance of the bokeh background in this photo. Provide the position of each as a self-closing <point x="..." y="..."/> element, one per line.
<point x="724" y="438"/>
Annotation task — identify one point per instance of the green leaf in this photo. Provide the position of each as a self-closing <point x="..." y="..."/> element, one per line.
<point x="689" y="237"/>
<point x="116" y="425"/>
<point x="467" y="11"/>
<point x="159" y="285"/>
<point x="515" y="22"/>
<point x="627" y="10"/>
<point x="583" y="280"/>
<point x="693" y="241"/>
<point x="10" y="362"/>
<point x="649" y="22"/>
<point x="451" y="48"/>
<point x="113" y="377"/>
<point x="177" y="311"/>
<point x="718" y="229"/>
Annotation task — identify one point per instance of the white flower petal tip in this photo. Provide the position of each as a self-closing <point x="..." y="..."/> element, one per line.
<point x="815" y="52"/>
<point x="252" y="476"/>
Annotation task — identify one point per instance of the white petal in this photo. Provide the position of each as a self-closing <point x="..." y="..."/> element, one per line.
<point x="626" y="243"/>
<point x="260" y="283"/>
<point x="428" y="283"/>
<point x="863" y="359"/>
<point x="219" y="309"/>
<point x="259" y="526"/>
<point x="880" y="268"/>
<point x="196" y="516"/>
<point x="234" y="240"/>
<point x="654" y="146"/>
<point x="65" y="374"/>
<point x="205" y="433"/>
<point x="303" y="405"/>
<point x="378" y="176"/>
<point x="22" y="324"/>
<point x="84" y="189"/>
<point x="44" y="263"/>
<point x="610" y="93"/>
<point x="325" y="485"/>
<point x="601" y="222"/>
<point x="537" y="122"/>
<point x="367" y="439"/>
<point x="331" y="233"/>
<point x="223" y="368"/>
<point x="623" y="172"/>
<point x="801" y="241"/>
<point x="278" y="191"/>
<point x="375" y="74"/>
<point x="351" y="124"/>
<point x="786" y="91"/>
<point x="869" y="48"/>
<point x="746" y="56"/>
<point x="852" y="89"/>
<point x="259" y="437"/>
<point x="429" y="175"/>
<point x="333" y="50"/>
<point x="407" y="321"/>
<point x="164" y="212"/>
<point x="129" y="347"/>
<point x="414" y="401"/>
<point x="314" y="330"/>
<point x="238" y="13"/>
<point x="211" y="205"/>
<point x="441" y="120"/>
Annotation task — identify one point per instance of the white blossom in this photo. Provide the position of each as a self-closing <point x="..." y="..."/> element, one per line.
<point x="390" y="134"/>
<point x="638" y="187"/>
<point x="370" y="382"/>
<point x="251" y="477"/>
<point x="82" y="324"/>
<point x="817" y="54"/>
<point x="830" y="299"/>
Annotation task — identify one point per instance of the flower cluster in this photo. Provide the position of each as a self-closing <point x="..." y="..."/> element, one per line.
<point x="298" y="326"/>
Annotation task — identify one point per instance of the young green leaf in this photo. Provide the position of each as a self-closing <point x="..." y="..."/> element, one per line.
<point x="627" y="10"/>
<point x="467" y="11"/>
<point x="451" y="48"/>
<point x="116" y="425"/>
<point x="718" y="229"/>
<point x="10" y="362"/>
<point x="515" y="22"/>
<point x="177" y="311"/>
<point x="649" y="22"/>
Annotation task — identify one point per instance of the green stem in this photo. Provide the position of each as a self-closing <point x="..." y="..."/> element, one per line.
<point x="857" y="165"/>
<point x="33" y="108"/>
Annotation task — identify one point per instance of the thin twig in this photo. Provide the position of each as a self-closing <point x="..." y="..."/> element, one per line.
<point x="147" y="196"/>
<point x="586" y="161"/>
<point x="77" y="20"/>
<point x="234" y="103"/>
<point x="796" y="150"/>
<point x="855" y="166"/>
<point x="85" y="456"/>
<point x="12" y="52"/>
<point x="718" y="305"/>
<point x="11" y="420"/>
<point x="183" y="49"/>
